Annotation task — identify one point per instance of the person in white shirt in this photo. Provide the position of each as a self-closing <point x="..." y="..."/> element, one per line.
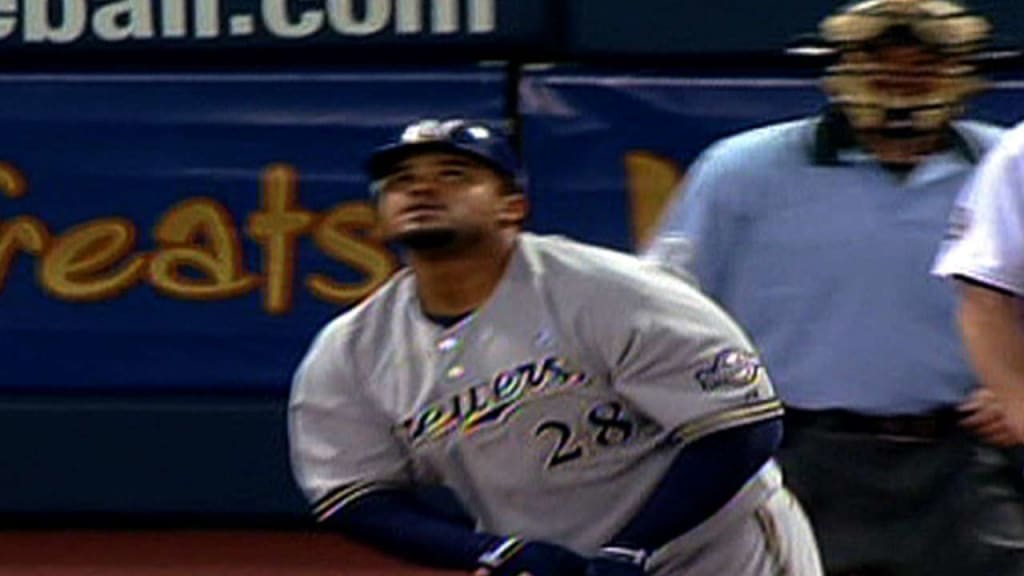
<point x="985" y="252"/>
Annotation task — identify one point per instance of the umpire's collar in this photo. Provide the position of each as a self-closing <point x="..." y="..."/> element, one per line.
<point x="833" y="135"/>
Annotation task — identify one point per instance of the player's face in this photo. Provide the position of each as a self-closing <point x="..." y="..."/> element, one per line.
<point x="439" y="200"/>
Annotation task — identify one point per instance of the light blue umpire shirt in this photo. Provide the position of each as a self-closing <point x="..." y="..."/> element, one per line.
<point x="823" y="256"/>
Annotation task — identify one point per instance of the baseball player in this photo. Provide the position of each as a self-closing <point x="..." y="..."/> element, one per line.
<point x="518" y="404"/>
<point x="818" y="235"/>
<point x="986" y="252"/>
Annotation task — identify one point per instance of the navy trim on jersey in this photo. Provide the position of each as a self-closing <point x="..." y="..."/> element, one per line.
<point x="704" y="476"/>
<point x="437" y="499"/>
<point x="397" y="522"/>
<point x="342" y="496"/>
<point x="730" y="418"/>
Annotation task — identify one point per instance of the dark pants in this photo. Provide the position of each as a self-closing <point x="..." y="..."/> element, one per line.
<point x="883" y="506"/>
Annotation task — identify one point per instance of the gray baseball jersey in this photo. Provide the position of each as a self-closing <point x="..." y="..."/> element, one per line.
<point x="552" y="412"/>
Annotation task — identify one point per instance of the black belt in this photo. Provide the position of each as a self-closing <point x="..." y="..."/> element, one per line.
<point x="929" y="426"/>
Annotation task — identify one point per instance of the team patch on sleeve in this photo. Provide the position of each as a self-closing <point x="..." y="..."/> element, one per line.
<point x="959" y="222"/>
<point x="729" y="369"/>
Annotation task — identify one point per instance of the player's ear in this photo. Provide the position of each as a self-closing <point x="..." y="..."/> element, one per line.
<point x="515" y="207"/>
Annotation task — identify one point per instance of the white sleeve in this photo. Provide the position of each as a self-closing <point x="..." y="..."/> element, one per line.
<point x="342" y="446"/>
<point x="680" y="360"/>
<point x="987" y="228"/>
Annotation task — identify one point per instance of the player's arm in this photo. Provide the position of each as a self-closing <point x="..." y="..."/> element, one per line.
<point x="397" y="521"/>
<point x="986" y="254"/>
<point x="679" y="360"/>
<point x="703" y="477"/>
<point x="994" y="333"/>
<point x="356" y="474"/>
<point x="430" y="528"/>
<point x="991" y="322"/>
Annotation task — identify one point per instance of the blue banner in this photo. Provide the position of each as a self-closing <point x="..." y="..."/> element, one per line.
<point x="739" y="27"/>
<point x="194" y="231"/>
<point x="606" y="150"/>
<point x="554" y="30"/>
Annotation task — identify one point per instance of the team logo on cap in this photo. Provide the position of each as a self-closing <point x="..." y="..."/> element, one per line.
<point x="729" y="369"/>
<point x="435" y="130"/>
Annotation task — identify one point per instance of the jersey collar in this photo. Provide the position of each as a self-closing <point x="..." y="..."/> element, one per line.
<point x="834" y="143"/>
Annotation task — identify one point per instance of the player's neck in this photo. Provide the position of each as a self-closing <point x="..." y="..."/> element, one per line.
<point x="462" y="283"/>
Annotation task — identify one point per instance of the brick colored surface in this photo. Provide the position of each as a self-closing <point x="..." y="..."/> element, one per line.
<point x="187" y="553"/>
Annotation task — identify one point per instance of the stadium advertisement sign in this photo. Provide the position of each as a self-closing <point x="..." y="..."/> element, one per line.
<point x="194" y="231"/>
<point x="135" y="24"/>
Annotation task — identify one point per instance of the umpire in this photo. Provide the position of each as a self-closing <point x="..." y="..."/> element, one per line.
<point x="818" y="236"/>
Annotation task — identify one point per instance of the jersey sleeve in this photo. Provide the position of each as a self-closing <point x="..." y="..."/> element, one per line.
<point x="681" y="361"/>
<point x="342" y="446"/>
<point x="986" y="239"/>
<point x="696" y="229"/>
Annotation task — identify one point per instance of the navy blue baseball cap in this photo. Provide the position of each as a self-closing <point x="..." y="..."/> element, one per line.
<point x="487" y="144"/>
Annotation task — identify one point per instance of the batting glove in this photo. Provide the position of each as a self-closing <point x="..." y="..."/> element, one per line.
<point x="514" y="556"/>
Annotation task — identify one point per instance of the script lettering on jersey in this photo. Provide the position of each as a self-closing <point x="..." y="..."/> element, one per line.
<point x="491" y="401"/>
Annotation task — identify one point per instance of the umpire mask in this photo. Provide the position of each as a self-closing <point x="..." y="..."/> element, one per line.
<point x="896" y="101"/>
